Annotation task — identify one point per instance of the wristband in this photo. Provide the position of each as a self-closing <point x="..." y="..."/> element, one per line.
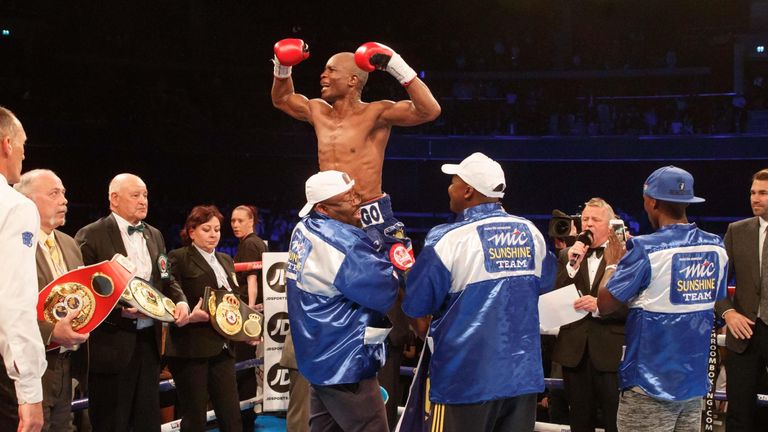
<point x="612" y="267"/>
<point x="280" y="70"/>
<point x="399" y="69"/>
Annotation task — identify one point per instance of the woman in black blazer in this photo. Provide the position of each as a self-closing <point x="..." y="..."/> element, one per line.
<point x="202" y="361"/>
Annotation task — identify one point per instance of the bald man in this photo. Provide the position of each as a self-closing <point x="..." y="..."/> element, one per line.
<point x="124" y="366"/>
<point x="352" y="137"/>
<point x="351" y="134"/>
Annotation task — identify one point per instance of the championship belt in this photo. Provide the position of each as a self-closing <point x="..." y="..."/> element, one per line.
<point x="94" y="290"/>
<point x="141" y="295"/>
<point x="230" y="317"/>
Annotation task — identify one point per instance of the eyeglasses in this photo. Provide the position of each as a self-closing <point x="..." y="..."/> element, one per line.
<point x="350" y="197"/>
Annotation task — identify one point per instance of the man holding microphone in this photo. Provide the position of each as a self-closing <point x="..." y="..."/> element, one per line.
<point x="590" y="349"/>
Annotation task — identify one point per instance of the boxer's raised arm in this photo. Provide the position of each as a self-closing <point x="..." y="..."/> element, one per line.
<point x="421" y="108"/>
<point x="286" y="100"/>
<point x="288" y="53"/>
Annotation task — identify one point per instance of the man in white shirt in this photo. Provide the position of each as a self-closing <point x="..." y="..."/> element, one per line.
<point x="21" y="347"/>
<point x="124" y="367"/>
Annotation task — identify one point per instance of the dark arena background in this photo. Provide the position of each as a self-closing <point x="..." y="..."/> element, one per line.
<point x="576" y="98"/>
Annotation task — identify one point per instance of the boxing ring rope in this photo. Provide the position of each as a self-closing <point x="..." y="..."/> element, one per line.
<point x="248" y="266"/>
<point x="167" y="385"/>
<point x="551" y="427"/>
<point x="551" y="383"/>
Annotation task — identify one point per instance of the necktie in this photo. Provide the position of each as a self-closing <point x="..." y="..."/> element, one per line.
<point x="53" y="250"/>
<point x="221" y="275"/>
<point x="597" y="251"/>
<point x="764" y="280"/>
<point x="133" y="229"/>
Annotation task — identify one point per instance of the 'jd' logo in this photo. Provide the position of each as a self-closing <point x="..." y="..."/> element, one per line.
<point x="278" y="380"/>
<point x="276" y="276"/>
<point x="278" y="327"/>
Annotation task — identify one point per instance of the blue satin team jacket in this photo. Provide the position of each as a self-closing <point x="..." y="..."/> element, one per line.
<point x="480" y="278"/>
<point x="339" y="290"/>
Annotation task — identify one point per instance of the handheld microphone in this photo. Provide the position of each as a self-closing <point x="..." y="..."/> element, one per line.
<point x="584" y="237"/>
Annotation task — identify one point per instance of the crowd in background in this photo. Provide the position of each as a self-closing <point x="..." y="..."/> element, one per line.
<point x="494" y="66"/>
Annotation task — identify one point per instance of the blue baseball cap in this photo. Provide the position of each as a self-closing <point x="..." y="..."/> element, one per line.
<point x="671" y="184"/>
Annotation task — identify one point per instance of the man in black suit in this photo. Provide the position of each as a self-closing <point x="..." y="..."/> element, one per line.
<point x="124" y="366"/>
<point x="590" y="349"/>
<point x="747" y="313"/>
<point x="56" y="253"/>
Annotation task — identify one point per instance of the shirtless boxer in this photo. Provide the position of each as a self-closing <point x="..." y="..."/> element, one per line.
<point x="352" y="137"/>
<point x="351" y="134"/>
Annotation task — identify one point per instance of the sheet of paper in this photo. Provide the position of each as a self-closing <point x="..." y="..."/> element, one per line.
<point x="556" y="308"/>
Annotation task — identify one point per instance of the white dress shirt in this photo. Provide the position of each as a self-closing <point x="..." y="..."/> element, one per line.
<point x="593" y="262"/>
<point x="218" y="269"/>
<point x="136" y="247"/>
<point x="20" y="343"/>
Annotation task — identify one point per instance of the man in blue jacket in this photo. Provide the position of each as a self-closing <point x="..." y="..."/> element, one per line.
<point x="670" y="280"/>
<point x="480" y="278"/>
<point x="339" y="289"/>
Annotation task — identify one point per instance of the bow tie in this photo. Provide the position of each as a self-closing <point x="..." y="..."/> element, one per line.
<point x="597" y="251"/>
<point x="133" y="229"/>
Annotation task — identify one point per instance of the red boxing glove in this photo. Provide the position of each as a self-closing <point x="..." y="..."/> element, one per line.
<point x="289" y="52"/>
<point x="373" y="55"/>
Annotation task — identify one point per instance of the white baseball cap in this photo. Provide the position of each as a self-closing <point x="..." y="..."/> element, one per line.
<point x="324" y="185"/>
<point x="482" y="173"/>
